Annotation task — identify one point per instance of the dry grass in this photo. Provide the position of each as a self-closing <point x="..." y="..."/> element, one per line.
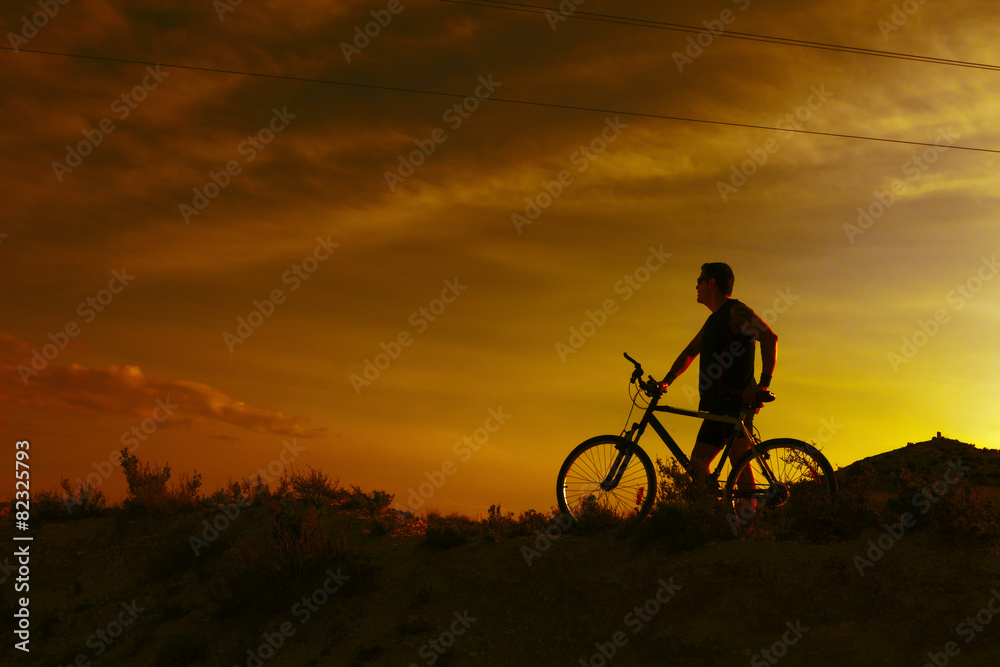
<point x="294" y="550"/>
<point x="684" y="518"/>
<point x="84" y="501"/>
<point x="681" y="519"/>
<point x="455" y="529"/>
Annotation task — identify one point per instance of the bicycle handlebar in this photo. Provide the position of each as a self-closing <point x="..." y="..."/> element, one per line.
<point x="652" y="388"/>
<point x="637" y="373"/>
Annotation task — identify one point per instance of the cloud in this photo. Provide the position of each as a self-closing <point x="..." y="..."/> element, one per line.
<point x="126" y="390"/>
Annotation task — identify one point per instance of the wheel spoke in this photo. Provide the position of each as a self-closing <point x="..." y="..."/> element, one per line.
<point x="804" y="483"/>
<point x="583" y="473"/>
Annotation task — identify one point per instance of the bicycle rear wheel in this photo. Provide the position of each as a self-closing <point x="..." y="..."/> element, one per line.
<point x="586" y="484"/>
<point x="802" y="494"/>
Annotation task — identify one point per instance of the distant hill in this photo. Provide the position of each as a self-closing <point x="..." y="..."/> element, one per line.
<point x="931" y="458"/>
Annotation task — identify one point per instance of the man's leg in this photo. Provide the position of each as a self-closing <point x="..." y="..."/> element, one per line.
<point x="746" y="480"/>
<point x="707" y="446"/>
<point x="701" y="461"/>
<point x="701" y="458"/>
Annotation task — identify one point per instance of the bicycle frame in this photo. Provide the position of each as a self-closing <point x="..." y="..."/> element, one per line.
<point x="762" y="479"/>
<point x="649" y="419"/>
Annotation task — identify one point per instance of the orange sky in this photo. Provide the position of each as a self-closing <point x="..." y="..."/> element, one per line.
<point x="192" y="199"/>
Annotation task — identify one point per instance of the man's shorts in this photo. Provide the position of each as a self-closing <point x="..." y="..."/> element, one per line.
<point x="717" y="433"/>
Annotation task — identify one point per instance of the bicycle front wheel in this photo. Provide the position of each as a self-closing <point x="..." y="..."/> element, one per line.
<point x="607" y="475"/>
<point x="797" y="490"/>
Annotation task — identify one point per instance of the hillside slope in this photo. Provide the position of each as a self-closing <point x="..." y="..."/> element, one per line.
<point x="889" y="596"/>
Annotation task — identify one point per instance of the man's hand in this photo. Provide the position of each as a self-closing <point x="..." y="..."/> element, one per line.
<point x="750" y="393"/>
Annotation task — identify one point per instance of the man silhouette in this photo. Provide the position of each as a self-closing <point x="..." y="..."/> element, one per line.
<point x="725" y="381"/>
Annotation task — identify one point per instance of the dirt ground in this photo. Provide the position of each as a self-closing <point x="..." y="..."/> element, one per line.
<point x="585" y="600"/>
<point x="114" y="590"/>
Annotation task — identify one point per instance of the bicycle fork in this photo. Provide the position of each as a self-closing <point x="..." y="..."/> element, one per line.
<point x="768" y="491"/>
<point x="618" y="467"/>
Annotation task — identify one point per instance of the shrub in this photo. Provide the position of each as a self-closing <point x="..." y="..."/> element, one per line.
<point x="454" y="530"/>
<point x="262" y="493"/>
<point x="84" y="501"/>
<point x="296" y="548"/>
<point x="243" y="493"/>
<point x="594" y="519"/>
<point x="685" y="517"/>
<point x="960" y="511"/>
<point x="370" y="503"/>
<point x="316" y="487"/>
<point x="499" y="525"/>
<point x="530" y="521"/>
<point x="868" y="500"/>
<point x="148" y="491"/>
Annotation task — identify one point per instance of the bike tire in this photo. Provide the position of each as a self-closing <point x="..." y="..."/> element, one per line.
<point x="806" y="493"/>
<point x="578" y="486"/>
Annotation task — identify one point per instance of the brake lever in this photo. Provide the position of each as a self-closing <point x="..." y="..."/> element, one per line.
<point x="763" y="396"/>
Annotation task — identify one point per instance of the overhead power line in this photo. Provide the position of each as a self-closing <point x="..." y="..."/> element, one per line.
<point x="550" y="105"/>
<point x="678" y="27"/>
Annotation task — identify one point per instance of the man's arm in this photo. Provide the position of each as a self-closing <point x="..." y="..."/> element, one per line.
<point x="685" y="358"/>
<point x="743" y="319"/>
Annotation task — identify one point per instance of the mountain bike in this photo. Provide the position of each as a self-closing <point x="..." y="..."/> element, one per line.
<point x="612" y="474"/>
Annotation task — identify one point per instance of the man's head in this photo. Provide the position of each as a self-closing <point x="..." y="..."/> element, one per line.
<point x="716" y="279"/>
